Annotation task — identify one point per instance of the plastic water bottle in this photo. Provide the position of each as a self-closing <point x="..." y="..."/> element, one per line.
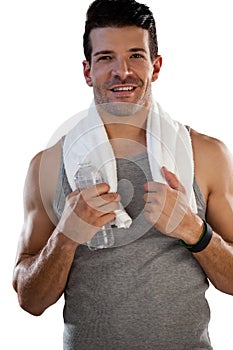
<point x="86" y="176"/>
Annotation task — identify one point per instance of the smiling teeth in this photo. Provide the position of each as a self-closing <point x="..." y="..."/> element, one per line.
<point x="128" y="88"/>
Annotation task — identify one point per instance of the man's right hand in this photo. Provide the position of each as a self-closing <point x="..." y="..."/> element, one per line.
<point x="86" y="211"/>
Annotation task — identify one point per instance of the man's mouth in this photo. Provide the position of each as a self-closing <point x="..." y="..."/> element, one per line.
<point x="123" y="88"/>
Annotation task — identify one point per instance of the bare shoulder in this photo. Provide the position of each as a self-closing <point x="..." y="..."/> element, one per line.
<point x="43" y="173"/>
<point x="213" y="161"/>
<point x="206" y="142"/>
<point x="51" y="154"/>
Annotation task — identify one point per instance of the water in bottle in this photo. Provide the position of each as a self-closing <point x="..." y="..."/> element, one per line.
<point x="86" y="176"/>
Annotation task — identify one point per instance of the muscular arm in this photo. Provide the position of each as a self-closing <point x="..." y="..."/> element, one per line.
<point x="166" y="203"/>
<point x="215" y="175"/>
<point x="44" y="255"/>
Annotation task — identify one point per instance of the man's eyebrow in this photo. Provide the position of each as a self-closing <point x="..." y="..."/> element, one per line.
<point x="103" y="52"/>
<point x="136" y="49"/>
<point x="109" y="52"/>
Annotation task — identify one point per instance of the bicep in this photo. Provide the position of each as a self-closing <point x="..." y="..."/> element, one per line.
<point x="220" y="215"/>
<point x="220" y="200"/>
<point x="37" y="229"/>
<point x="38" y="226"/>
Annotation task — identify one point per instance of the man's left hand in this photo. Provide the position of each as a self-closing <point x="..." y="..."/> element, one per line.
<point x="167" y="209"/>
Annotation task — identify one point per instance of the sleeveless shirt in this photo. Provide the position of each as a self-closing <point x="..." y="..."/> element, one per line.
<point x="148" y="293"/>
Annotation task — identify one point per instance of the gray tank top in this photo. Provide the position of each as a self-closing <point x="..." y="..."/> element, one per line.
<point x="146" y="294"/>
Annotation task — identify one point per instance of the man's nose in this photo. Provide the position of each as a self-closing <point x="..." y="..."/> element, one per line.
<point x="121" y="68"/>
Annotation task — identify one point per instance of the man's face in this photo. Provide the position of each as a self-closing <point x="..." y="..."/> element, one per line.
<point x="121" y="69"/>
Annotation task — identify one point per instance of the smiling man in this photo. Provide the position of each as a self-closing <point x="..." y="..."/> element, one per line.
<point x="171" y="184"/>
<point x="125" y="74"/>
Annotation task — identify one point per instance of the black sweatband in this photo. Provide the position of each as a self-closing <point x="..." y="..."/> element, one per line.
<point x="203" y="241"/>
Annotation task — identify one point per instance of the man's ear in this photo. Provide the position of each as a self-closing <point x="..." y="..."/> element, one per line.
<point x="157" y="66"/>
<point x="87" y="72"/>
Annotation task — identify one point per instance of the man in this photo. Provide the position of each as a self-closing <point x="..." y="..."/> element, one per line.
<point x="148" y="293"/>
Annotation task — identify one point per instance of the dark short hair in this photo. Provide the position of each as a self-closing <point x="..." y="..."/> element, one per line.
<point x="119" y="13"/>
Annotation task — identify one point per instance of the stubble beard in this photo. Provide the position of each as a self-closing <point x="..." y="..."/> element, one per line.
<point x="120" y="109"/>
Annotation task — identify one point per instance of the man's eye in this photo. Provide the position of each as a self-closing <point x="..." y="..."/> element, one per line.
<point x="137" y="55"/>
<point x="104" y="58"/>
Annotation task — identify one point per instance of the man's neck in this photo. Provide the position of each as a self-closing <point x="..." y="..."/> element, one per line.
<point x="127" y="141"/>
<point x="124" y="126"/>
<point x="127" y="135"/>
<point x="125" y="130"/>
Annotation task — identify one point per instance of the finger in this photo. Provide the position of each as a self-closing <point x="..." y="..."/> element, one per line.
<point x="110" y="197"/>
<point x="151" y="197"/>
<point x="73" y="194"/>
<point x="172" y="180"/>
<point x="73" y="198"/>
<point x="104" y="219"/>
<point x="107" y="208"/>
<point x="152" y="186"/>
<point x="95" y="190"/>
<point x="152" y="213"/>
<point x="99" y="201"/>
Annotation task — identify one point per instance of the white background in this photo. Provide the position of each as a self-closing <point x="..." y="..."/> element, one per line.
<point x="41" y="86"/>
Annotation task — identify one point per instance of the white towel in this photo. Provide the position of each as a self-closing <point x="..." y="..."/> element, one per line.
<point x="168" y="144"/>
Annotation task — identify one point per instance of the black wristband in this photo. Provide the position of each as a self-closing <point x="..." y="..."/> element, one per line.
<point x="203" y="241"/>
